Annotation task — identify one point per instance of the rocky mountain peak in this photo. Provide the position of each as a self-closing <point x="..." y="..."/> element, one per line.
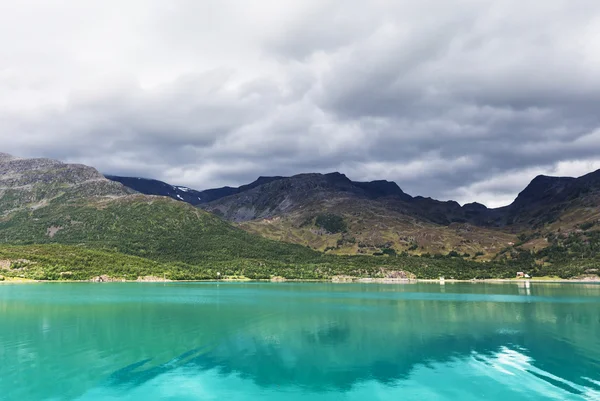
<point x="259" y="181"/>
<point x="381" y="188"/>
<point x="592" y="178"/>
<point x="34" y="182"/>
<point x="32" y="171"/>
<point x="4" y="157"/>
<point x="474" y="207"/>
<point x="337" y="177"/>
<point x="542" y="188"/>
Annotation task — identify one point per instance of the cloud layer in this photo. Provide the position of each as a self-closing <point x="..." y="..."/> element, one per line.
<point x="464" y="100"/>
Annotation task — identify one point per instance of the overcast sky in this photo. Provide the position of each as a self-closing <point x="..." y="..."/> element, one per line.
<point x="454" y="99"/>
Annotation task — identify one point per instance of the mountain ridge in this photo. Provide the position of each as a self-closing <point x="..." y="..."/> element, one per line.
<point x="150" y="186"/>
<point x="542" y="188"/>
<point x="378" y="213"/>
<point x="46" y="203"/>
<point x="34" y="182"/>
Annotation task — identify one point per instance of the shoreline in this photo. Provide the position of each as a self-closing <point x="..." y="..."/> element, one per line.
<point x="347" y="281"/>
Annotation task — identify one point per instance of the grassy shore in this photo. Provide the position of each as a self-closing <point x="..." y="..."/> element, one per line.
<point x="548" y="280"/>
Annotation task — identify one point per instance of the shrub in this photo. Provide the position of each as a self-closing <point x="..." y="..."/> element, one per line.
<point x="331" y="223"/>
<point x="588" y="225"/>
<point x="388" y="251"/>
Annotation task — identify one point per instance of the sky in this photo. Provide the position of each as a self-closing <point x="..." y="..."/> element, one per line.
<point x="454" y="99"/>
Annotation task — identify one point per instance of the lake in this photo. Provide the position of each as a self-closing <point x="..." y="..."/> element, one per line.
<point x="299" y="341"/>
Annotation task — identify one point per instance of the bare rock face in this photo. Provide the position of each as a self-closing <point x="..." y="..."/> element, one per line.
<point x="102" y="279"/>
<point x="398" y="274"/>
<point x="286" y="194"/>
<point x="152" y="279"/>
<point x="4" y="157"/>
<point x="35" y="182"/>
<point x="185" y="194"/>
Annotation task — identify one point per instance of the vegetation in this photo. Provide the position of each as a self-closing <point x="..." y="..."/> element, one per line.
<point x="69" y="262"/>
<point x="370" y="227"/>
<point x="331" y="223"/>
<point x="565" y="256"/>
<point x="587" y="225"/>
<point x="139" y="236"/>
<point x="61" y="262"/>
<point x="67" y="223"/>
<point x="154" y="228"/>
<point x="388" y="251"/>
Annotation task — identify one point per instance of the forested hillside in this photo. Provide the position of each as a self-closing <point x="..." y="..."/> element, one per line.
<point x="62" y="221"/>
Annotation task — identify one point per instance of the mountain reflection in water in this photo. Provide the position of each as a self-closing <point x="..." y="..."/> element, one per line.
<point x="320" y="339"/>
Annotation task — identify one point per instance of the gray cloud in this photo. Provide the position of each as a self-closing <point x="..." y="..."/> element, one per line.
<point x="465" y="100"/>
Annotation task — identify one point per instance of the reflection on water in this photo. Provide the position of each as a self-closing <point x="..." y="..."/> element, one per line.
<point x="524" y="287"/>
<point x="505" y="374"/>
<point x="313" y="341"/>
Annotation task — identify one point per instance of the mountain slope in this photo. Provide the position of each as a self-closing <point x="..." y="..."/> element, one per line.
<point x="159" y="188"/>
<point x="377" y="215"/>
<point x="60" y="221"/>
<point x="297" y="192"/>
<point x="155" y="187"/>
<point x="32" y="183"/>
<point x="547" y="200"/>
<point x="380" y="215"/>
<point x="70" y="220"/>
<point x="181" y="242"/>
<point x="45" y="201"/>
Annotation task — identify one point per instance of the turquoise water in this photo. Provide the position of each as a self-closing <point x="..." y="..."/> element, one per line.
<point x="299" y="341"/>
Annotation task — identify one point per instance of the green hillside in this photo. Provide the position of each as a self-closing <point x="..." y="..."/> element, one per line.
<point x="62" y="221"/>
<point x="136" y="235"/>
<point x="140" y="235"/>
<point x="151" y="227"/>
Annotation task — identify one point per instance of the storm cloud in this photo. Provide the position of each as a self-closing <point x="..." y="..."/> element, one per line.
<point x="465" y="100"/>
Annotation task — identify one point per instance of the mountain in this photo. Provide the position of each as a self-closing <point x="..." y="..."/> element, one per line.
<point x="288" y="194"/>
<point x="159" y="188"/>
<point x="66" y="221"/>
<point x="154" y="187"/>
<point x="375" y="216"/>
<point x="380" y="188"/>
<point x="60" y="221"/>
<point x="33" y="183"/>
<point x="45" y="201"/>
<point x="548" y="200"/>
<point x="373" y="189"/>
<point x="378" y="215"/>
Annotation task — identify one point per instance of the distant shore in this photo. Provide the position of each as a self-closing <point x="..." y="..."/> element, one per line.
<point x="548" y="280"/>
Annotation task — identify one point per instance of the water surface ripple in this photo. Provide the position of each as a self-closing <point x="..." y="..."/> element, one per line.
<point x="301" y="341"/>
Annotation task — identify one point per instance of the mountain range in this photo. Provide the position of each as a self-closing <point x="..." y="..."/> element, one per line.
<point x="68" y="221"/>
<point x="378" y="214"/>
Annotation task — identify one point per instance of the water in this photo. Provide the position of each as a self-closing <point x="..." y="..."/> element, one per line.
<point x="299" y="341"/>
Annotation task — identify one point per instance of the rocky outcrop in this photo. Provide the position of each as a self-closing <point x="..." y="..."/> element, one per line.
<point x="285" y="195"/>
<point x="5" y="157"/>
<point x="342" y="279"/>
<point x="33" y="183"/>
<point x="149" y="186"/>
<point x="152" y="279"/>
<point x="397" y="274"/>
<point x="106" y="279"/>
<point x="16" y="264"/>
